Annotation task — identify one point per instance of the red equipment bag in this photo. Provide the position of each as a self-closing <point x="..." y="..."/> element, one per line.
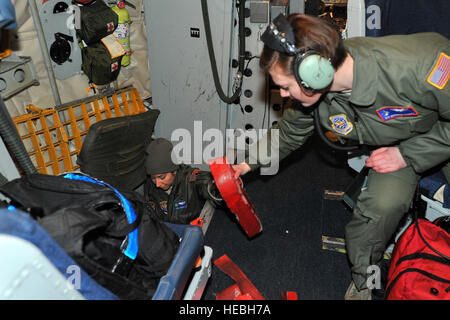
<point x="416" y="271"/>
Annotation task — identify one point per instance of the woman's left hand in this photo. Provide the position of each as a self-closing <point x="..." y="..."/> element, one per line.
<point x="386" y="159"/>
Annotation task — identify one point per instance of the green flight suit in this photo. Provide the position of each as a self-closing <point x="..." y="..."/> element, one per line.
<point x="190" y="189"/>
<point x="400" y="97"/>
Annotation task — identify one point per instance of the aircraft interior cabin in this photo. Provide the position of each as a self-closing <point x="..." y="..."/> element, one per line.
<point x="224" y="150"/>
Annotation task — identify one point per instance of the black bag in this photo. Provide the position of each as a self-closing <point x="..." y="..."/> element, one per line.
<point x="98" y="64"/>
<point x="97" y="21"/>
<point x="88" y="221"/>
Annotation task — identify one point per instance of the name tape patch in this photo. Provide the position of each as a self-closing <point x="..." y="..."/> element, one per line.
<point x="388" y="113"/>
<point x="440" y="74"/>
<point x="180" y="205"/>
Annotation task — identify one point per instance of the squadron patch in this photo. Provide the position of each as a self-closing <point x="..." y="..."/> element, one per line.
<point x="388" y="113"/>
<point x="163" y="205"/>
<point x="440" y="74"/>
<point x="340" y="124"/>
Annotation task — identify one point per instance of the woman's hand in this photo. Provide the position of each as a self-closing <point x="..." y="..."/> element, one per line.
<point x="240" y="169"/>
<point x="386" y="159"/>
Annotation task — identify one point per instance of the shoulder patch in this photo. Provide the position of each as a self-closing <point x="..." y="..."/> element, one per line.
<point x="163" y="206"/>
<point x="440" y="73"/>
<point x="340" y="124"/>
<point x="180" y="205"/>
<point x="388" y="113"/>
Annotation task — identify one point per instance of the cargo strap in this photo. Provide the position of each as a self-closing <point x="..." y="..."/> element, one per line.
<point x="243" y="289"/>
<point x="289" y="295"/>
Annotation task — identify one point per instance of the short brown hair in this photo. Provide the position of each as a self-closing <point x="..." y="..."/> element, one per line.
<point x="310" y="33"/>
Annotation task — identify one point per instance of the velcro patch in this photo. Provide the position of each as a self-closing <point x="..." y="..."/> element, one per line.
<point x="163" y="205"/>
<point x="388" y="113"/>
<point x="180" y="205"/>
<point x="440" y="74"/>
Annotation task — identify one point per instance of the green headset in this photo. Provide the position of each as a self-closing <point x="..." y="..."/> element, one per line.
<point x="311" y="70"/>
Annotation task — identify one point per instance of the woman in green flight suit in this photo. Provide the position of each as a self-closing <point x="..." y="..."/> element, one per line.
<point x="176" y="192"/>
<point x="389" y="93"/>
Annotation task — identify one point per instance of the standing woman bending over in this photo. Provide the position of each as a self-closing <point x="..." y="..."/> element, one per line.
<point x="388" y="93"/>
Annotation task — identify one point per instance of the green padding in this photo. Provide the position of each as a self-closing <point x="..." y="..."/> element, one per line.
<point x="316" y="72"/>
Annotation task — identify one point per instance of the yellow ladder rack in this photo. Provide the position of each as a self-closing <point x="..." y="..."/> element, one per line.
<point x="53" y="137"/>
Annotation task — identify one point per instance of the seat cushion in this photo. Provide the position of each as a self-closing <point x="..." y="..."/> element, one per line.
<point x="114" y="149"/>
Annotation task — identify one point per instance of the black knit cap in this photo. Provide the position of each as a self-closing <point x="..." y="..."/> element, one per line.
<point x="159" y="157"/>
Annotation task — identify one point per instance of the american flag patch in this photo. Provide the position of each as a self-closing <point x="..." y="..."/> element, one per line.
<point x="441" y="72"/>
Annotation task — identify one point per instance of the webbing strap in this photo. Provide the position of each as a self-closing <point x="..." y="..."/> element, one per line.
<point x="289" y="295"/>
<point x="243" y="287"/>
